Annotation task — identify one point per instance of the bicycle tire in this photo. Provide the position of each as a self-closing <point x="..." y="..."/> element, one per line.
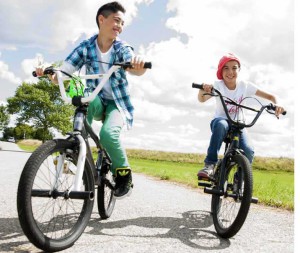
<point x="230" y="210"/>
<point x="105" y="197"/>
<point x="53" y="224"/>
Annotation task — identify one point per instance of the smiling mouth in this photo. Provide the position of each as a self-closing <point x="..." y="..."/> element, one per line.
<point x="230" y="77"/>
<point x="116" y="31"/>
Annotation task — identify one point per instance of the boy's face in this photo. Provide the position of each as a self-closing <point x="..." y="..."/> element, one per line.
<point x="112" y="25"/>
<point x="230" y="71"/>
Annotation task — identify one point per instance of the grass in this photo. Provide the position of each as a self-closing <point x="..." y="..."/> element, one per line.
<point x="273" y="177"/>
<point x="272" y="188"/>
<point x="29" y="145"/>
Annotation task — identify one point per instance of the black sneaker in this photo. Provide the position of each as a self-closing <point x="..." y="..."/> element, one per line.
<point x="123" y="182"/>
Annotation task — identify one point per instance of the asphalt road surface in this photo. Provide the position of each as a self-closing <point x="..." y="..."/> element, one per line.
<point x="159" y="216"/>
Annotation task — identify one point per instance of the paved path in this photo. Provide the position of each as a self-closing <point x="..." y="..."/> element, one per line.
<point x="158" y="217"/>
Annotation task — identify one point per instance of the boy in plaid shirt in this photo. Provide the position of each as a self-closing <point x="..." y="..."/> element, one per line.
<point x="113" y="101"/>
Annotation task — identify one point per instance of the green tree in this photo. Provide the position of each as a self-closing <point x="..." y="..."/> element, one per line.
<point x="24" y="131"/>
<point x="40" y="134"/>
<point x="4" y="117"/>
<point x="8" y="132"/>
<point x="41" y="105"/>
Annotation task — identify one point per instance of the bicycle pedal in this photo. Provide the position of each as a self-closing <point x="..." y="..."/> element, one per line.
<point x="254" y="200"/>
<point x="204" y="184"/>
<point x="206" y="179"/>
<point x="213" y="191"/>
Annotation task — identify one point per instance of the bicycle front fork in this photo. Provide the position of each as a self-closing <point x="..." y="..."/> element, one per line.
<point x="62" y="166"/>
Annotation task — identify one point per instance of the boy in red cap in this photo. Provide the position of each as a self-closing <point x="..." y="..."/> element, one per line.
<point x="229" y="85"/>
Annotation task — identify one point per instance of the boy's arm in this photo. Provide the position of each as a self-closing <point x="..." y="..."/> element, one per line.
<point x="272" y="98"/>
<point x="67" y="67"/>
<point x="266" y="95"/>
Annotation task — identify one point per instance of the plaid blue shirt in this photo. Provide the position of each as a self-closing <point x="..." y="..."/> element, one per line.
<point x="86" y="54"/>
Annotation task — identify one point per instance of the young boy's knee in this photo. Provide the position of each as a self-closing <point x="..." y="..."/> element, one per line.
<point x="110" y="135"/>
<point x="221" y="126"/>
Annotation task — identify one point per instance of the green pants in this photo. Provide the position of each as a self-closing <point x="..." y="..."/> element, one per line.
<point x="110" y="131"/>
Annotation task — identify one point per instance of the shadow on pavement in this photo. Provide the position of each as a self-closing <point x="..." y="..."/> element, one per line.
<point x="191" y="229"/>
<point x="12" y="238"/>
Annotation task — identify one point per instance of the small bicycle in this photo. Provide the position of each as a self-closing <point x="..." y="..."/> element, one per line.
<point x="232" y="183"/>
<point x="56" y="190"/>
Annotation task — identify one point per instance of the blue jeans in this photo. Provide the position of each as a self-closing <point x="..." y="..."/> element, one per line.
<point x="219" y="128"/>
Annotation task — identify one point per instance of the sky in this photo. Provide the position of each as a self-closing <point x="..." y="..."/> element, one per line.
<point x="184" y="40"/>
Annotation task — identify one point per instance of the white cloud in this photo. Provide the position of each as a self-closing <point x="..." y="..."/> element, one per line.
<point x="7" y="75"/>
<point x="260" y="31"/>
<point x="54" y="24"/>
<point x="155" y="112"/>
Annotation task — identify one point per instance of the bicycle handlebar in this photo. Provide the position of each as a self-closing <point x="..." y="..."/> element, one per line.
<point x="258" y="112"/>
<point x="50" y="71"/>
<point x="82" y="100"/>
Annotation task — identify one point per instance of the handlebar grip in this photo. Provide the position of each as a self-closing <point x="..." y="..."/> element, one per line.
<point x="273" y="107"/>
<point x="147" y="65"/>
<point x="47" y="71"/>
<point x="197" y="86"/>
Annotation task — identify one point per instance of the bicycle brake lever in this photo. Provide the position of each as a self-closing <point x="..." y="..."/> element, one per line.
<point x="211" y="94"/>
<point x="124" y="65"/>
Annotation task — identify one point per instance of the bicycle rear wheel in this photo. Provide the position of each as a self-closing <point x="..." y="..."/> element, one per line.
<point x="230" y="210"/>
<point x="106" y="199"/>
<point x="51" y="218"/>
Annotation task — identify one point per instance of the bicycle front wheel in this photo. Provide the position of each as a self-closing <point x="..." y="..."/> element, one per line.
<point x="51" y="217"/>
<point x="230" y="210"/>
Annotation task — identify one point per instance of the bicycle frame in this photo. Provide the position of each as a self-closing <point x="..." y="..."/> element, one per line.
<point x="81" y="128"/>
<point x="232" y="148"/>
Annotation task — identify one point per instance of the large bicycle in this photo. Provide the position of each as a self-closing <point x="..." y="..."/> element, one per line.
<point x="232" y="184"/>
<point x="57" y="186"/>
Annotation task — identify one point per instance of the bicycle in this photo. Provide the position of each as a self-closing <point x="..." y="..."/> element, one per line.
<point x="232" y="183"/>
<point x="56" y="190"/>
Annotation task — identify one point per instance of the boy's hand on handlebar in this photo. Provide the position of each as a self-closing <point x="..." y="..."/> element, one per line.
<point x="137" y="63"/>
<point x="279" y="110"/>
<point x="39" y="71"/>
<point x="207" y="88"/>
<point x="137" y="66"/>
<point x="205" y="91"/>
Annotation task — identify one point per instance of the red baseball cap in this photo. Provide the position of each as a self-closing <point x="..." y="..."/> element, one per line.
<point x="226" y="58"/>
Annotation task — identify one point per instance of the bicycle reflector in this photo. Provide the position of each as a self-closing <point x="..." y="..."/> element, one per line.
<point x="75" y="88"/>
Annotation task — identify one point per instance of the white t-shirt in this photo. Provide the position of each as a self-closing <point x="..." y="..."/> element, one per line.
<point x="243" y="89"/>
<point x="105" y="57"/>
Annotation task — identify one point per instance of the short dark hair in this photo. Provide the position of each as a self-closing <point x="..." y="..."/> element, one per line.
<point x="106" y="9"/>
